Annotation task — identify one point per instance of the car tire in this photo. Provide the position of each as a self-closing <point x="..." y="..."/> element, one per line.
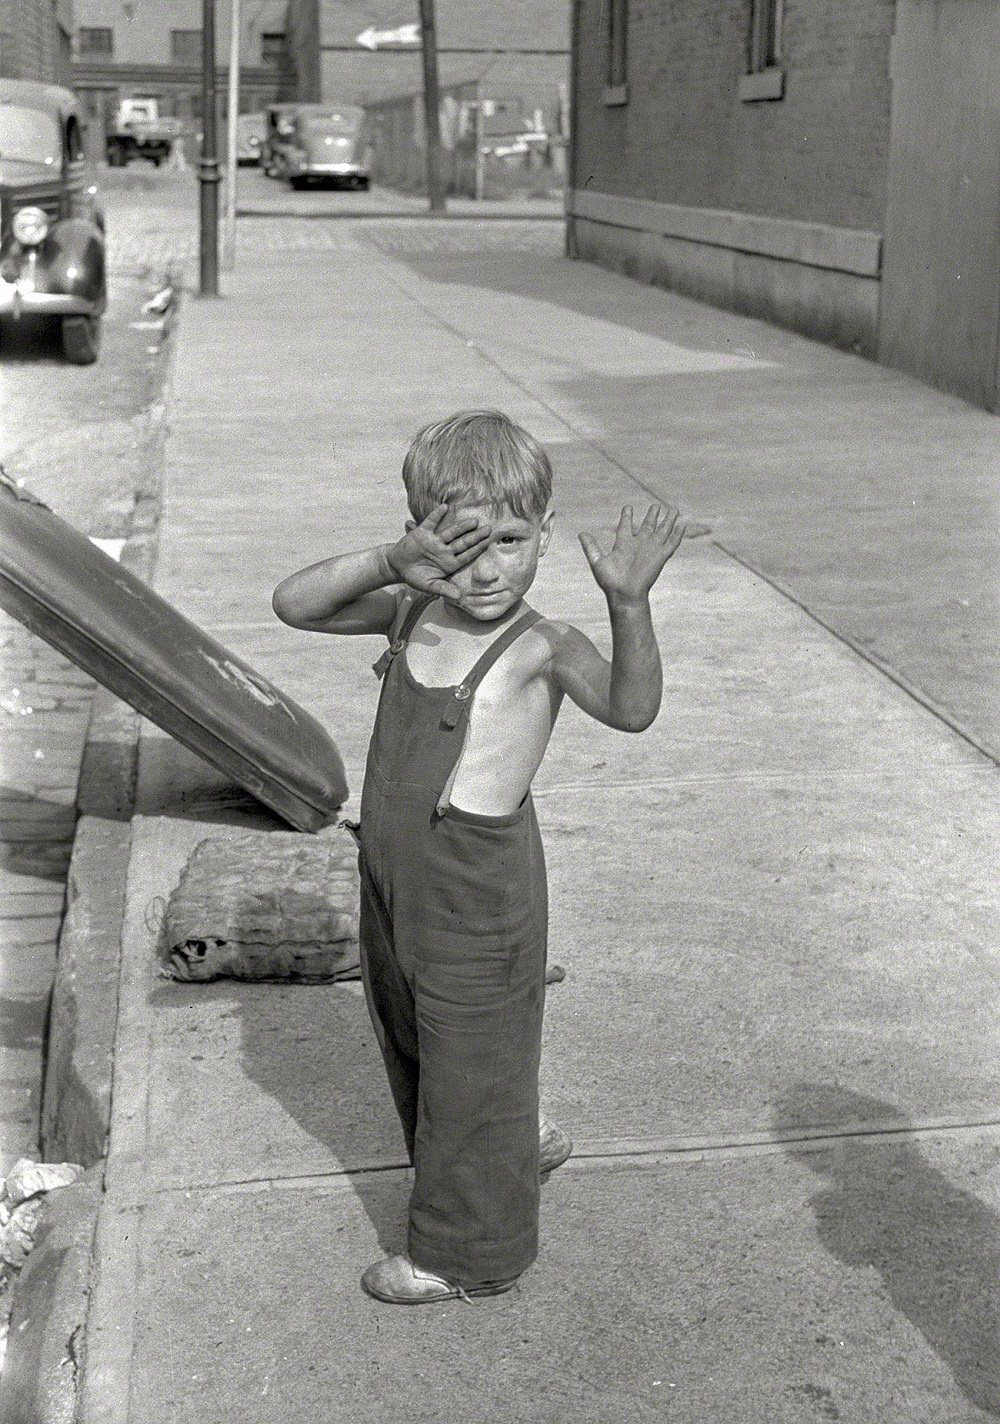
<point x="363" y="184"/>
<point x="81" y="339"/>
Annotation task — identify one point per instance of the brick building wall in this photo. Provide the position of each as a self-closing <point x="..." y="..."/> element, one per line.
<point x="767" y="199"/>
<point x="817" y="154"/>
<point x="35" y="40"/>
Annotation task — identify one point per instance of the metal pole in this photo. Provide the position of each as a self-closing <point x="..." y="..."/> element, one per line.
<point x="232" y="109"/>
<point x="432" y="107"/>
<point x="479" y="148"/>
<point x="208" y="165"/>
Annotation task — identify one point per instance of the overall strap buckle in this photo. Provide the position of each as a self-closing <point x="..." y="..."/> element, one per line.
<point x="381" y="667"/>
<point x="459" y="697"/>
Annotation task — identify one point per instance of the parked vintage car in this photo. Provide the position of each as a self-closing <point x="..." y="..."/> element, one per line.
<point x="328" y="144"/>
<point x="51" y="227"/>
<point x="251" y="130"/>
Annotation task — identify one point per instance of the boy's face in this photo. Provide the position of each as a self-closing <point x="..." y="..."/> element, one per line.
<point x="505" y="570"/>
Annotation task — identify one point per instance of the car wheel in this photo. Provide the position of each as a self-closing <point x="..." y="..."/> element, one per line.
<point x="81" y="339"/>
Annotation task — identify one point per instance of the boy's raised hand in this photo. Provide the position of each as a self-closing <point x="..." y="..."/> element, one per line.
<point x="433" y="550"/>
<point x="637" y="558"/>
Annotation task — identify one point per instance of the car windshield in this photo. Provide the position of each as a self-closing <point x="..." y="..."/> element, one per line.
<point x="28" y="135"/>
<point x="330" y="123"/>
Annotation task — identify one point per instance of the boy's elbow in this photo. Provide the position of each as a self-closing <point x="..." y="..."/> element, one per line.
<point x="637" y="721"/>
<point x="636" y="724"/>
<point x="639" y="716"/>
<point x="282" y="605"/>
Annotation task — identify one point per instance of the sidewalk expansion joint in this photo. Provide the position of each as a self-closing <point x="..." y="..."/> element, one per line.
<point x="750" y="778"/>
<point x="664" y="1151"/>
<point x="396" y="214"/>
<point x="885" y="668"/>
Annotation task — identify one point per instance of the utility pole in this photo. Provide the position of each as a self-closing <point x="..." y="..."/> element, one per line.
<point x="432" y="107"/>
<point x="233" y="110"/>
<point x="208" y="165"/>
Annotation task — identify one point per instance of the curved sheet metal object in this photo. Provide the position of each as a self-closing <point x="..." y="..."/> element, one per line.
<point x="56" y="582"/>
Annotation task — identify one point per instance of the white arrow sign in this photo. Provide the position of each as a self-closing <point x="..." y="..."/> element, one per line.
<point x="404" y="35"/>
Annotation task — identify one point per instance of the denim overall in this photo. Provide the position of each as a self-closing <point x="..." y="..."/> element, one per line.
<point x="453" y="943"/>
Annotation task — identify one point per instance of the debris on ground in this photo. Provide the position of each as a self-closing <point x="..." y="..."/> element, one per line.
<point x="22" y="1206"/>
<point x="160" y="302"/>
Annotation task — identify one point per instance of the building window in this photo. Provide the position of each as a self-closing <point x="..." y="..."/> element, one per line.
<point x="185" y="46"/>
<point x="96" y="41"/>
<point x="766" y="77"/>
<point x="272" y="48"/>
<point x="616" y="88"/>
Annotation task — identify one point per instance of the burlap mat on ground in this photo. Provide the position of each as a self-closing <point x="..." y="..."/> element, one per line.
<point x="270" y="906"/>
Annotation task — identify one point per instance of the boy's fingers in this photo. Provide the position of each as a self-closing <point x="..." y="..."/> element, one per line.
<point x="676" y="535"/>
<point x="434" y="517"/>
<point x="470" y="538"/>
<point x="668" y="521"/>
<point x="459" y="527"/>
<point x="652" y="516"/>
<point x="626" y="524"/>
<point x="591" y="548"/>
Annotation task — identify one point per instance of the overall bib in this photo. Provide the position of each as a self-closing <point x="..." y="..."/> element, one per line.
<point x="453" y="941"/>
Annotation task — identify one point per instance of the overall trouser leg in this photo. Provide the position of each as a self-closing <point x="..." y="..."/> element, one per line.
<point x="390" y="1005"/>
<point x="474" y="1207"/>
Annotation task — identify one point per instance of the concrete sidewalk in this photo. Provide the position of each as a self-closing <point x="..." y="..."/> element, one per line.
<point x="776" y="1042"/>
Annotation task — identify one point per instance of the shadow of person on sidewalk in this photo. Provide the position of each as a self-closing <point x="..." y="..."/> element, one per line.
<point x="312" y="1049"/>
<point x="884" y="1206"/>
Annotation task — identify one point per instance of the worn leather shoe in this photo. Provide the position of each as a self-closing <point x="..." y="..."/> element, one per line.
<point x="397" y="1280"/>
<point x="554" y="1146"/>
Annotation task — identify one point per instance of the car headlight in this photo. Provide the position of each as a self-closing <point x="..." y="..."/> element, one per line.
<point x="30" y="226"/>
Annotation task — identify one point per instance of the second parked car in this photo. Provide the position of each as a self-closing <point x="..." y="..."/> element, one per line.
<point x="328" y="144"/>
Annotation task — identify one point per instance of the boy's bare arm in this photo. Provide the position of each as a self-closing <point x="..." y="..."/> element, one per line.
<point x="626" y="692"/>
<point x="352" y="593"/>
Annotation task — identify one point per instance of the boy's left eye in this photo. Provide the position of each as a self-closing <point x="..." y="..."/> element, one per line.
<point x="508" y="539"/>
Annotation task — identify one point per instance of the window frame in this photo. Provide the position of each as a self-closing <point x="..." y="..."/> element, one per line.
<point x="185" y="60"/>
<point x="765" y="77"/>
<point x="90" y="51"/>
<point x="615" y="92"/>
<point x="267" y="37"/>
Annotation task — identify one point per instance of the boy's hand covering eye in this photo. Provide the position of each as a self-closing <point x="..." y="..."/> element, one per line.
<point x="433" y="550"/>
<point x="638" y="555"/>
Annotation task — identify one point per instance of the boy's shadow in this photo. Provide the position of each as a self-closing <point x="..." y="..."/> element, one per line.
<point x="935" y="1246"/>
<point x="328" y="1076"/>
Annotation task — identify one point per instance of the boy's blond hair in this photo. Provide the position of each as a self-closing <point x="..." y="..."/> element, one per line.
<point x="477" y="457"/>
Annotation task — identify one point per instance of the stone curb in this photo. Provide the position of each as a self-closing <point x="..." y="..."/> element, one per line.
<point x="76" y="1098"/>
<point x="39" y="1380"/>
<point x="45" y="1355"/>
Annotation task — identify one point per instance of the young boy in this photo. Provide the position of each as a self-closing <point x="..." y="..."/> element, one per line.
<point x="453" y="898"/>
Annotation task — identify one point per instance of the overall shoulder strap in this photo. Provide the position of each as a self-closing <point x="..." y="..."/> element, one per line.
<point x="400" y="631"/>
<point x="465" y="690"/>
<point x="412" y="614"/>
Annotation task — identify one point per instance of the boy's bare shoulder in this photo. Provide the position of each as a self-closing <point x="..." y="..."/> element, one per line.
<point x="555" y="641"/>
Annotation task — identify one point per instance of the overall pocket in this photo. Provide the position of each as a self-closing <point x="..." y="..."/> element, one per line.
<point x="478" y="874"/>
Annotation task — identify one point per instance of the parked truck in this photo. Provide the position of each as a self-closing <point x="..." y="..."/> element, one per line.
<point x="140" y="132"/>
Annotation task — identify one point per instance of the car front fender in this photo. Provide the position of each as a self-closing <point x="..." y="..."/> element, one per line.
<point x="74" y="255"/>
